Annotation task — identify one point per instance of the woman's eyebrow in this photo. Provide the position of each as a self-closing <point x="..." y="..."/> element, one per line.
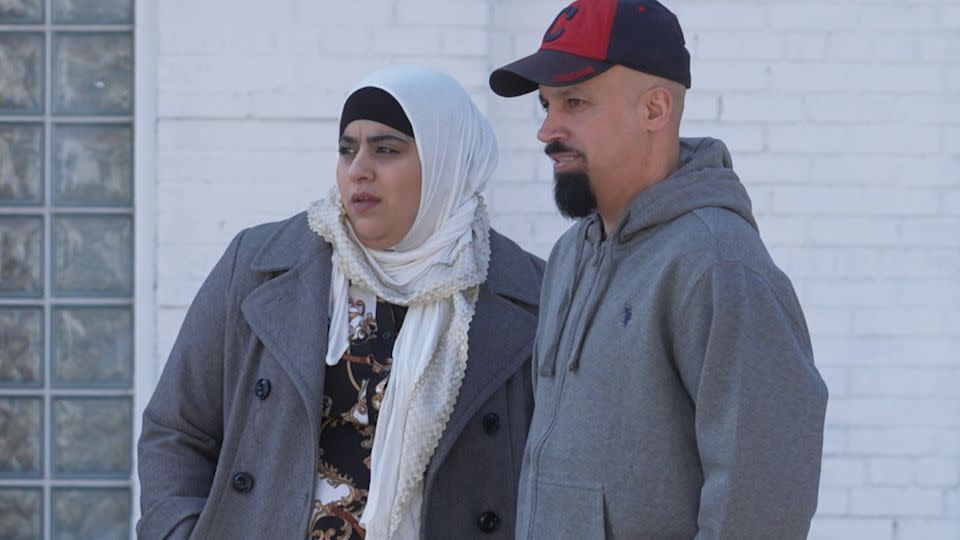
<point x="347" y="139"/>
<point x="383" y="138"/>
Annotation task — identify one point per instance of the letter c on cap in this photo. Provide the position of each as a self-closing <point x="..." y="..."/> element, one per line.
<point x="554" y="33"/>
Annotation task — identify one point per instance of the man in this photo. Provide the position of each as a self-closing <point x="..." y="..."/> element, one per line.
<point x="676" y="394"/>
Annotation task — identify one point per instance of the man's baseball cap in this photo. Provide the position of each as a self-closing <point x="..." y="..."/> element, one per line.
<point x="589" y="37"/>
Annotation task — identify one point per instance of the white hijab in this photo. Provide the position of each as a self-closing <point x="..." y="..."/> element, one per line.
<point x="436" y="270"/>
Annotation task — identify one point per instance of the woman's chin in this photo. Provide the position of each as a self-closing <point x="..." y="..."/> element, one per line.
<point x="375" y="239"/>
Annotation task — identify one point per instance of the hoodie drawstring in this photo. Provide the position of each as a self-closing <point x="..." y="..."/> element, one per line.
<point x="597" y="293"/>
<point x="548" y="364"/>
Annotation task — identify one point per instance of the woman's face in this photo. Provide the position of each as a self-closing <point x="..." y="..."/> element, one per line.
<point x="379" y="177"/>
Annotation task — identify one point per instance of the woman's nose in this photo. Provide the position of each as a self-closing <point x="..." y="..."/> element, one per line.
<point x="360" y="169"/>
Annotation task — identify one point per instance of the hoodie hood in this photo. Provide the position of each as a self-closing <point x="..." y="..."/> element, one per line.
<point x="705" y="179"/>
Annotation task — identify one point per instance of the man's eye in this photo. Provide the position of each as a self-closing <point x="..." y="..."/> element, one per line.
<point x="386" y="150"/>
<point x="573" y="103"/>
<point x="345" y="151"/>
<point x="544" y="105"/>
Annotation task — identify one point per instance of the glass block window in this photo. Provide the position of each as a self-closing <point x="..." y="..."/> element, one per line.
<point x="66" y="268"/>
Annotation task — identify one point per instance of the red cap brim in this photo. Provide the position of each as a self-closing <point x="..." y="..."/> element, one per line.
<point x="546" y="67"/>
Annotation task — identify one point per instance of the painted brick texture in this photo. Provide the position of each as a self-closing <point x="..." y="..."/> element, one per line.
<point x="844" y="123"/>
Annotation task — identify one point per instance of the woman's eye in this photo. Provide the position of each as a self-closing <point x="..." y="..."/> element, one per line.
<point x="573" y="103"/>
<point x="386" y="150"/>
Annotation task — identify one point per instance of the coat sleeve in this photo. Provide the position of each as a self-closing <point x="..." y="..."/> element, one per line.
<point x="183" y="422"/>
<point x="744" y="354"/>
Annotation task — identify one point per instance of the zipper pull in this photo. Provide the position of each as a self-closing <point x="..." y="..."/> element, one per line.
<point x="599" y="257"/>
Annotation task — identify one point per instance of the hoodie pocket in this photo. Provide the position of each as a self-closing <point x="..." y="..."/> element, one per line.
<point x="569" y="510"/>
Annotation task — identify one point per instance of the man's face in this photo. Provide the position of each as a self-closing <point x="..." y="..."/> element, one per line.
<point x="590" y="130"/>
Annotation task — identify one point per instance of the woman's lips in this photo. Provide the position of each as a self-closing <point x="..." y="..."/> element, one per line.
<point x="362" y="202"/>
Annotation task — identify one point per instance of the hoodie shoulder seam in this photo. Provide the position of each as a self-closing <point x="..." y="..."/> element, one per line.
<point x="714" y="240"/>
<point x="719" y="253"/>
<point x="774" y="290"/>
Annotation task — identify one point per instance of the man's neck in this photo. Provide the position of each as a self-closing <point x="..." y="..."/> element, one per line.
<point x="629" y="183"/>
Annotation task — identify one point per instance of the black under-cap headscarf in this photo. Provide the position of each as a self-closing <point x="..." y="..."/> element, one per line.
<point x="371" y="103"/>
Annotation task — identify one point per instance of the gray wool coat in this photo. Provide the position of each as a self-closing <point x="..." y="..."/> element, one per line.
<point x="229" y="441"/>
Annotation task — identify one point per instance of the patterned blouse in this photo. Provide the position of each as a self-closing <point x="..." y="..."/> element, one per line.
<point x="353" y="391"/>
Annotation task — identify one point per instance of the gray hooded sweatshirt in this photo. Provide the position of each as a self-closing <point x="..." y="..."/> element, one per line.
<point x="676" y="394"/>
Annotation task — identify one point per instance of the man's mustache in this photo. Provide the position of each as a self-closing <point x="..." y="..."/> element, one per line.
<point x="557" y="147"/>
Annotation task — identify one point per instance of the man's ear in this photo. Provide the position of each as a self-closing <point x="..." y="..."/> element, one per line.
<point x="658" y="104"/>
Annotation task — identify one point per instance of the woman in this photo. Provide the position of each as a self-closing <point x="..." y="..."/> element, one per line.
<point x="360" y="371"/>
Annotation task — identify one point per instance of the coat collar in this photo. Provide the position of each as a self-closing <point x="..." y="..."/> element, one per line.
<point x="287" y="246"/>
<point x="289" y="313"/>
<point x="512" y="273"/>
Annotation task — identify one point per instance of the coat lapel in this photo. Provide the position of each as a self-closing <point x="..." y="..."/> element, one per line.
<point x="288" y="313"/>
<point x="500" y="339"/>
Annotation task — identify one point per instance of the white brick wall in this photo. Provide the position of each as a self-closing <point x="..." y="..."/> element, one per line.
<point x="844" y="122"/>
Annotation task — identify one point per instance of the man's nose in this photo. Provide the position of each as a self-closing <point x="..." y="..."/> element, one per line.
<point x="551" y="129"/>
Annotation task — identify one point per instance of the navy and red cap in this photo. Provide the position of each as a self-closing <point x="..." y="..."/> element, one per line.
<point x="590" y="36"/>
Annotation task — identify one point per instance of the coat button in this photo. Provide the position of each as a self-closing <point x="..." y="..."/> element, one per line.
<point x="491" y="423"/>
<point x="263" y="388"/>
<point x="488" y="522"/>
<point x="242" y="482"/>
